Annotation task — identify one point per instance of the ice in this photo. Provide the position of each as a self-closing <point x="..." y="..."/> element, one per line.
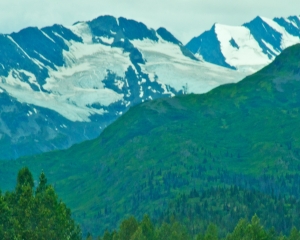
<point x="41" y="65"/>
<point x="47" y="36"/>
<point x="11" y="39"/>
<point x="287" y="39"/>
<point x="249" y="55"/>
<point x="270" y="47"/>
<point x="249" y="52"/>
<point x="291" y="22"/>
<point x="107" y="40"/>
<point x="83" y="30"/>
<point x="141" y="92"/>
<point x="72" y="88"/>
<point x="165" y="61"/>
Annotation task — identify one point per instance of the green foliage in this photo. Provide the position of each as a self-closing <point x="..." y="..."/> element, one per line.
<point x="225" y="206"/>
<point x="128" y="228"/>
<point x="24" y="179"/>
<point x="138" y="235"/>
<point x="211" y="232"/>
<point x="295" y="234"/>
<point x="240" y="230"/>
<point x="244" y="230"/>
<point x="25" y="215"/>
<point x="147" y="228"/>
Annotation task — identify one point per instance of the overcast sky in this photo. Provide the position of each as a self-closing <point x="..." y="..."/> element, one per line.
<point x="184" y="18"/>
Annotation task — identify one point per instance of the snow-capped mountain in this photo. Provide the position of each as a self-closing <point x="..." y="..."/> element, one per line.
<point x="250" y="46"/>
<point x="62" y="85"/>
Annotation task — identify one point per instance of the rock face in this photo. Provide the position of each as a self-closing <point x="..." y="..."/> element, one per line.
<point x="250" y="46"/>
<point x="62" y="85"/>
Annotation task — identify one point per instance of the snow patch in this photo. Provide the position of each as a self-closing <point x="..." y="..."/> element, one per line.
<point x="249" y="52"/>
<point x="141" y="92"/>
<point x="287" y="39"/>
<point x="79" y="84"/>
<point x="271" y="47"/>
<point x="106" y="40"/>
<point x="47" y="36"/>
<point x="167" y="65"/>
<point x="82" y="30"/>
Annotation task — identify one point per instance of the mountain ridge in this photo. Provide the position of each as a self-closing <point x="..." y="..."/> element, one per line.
<point x="256" y="42"/>
<point x="87" y="75"/>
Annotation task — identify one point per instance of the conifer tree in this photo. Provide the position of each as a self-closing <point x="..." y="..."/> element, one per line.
<point x="147" y="228"/>
<point x="27" y="214"/>
<point x="128" y="228"/>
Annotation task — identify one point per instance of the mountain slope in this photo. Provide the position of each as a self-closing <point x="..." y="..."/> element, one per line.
<point x="250" y="46"/>
<point x="89" y="74"/>
<point x="243" y="134"/>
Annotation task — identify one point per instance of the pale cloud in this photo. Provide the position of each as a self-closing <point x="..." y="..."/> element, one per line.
<point x="184" y="18"/>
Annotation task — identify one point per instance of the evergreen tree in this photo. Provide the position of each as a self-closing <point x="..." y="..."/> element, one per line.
<point x="147" y="228"/>
<point x="256" y="230"/>
<point x="239" y="231"/>
<point x="107" y="236"/>
<point x="138" y="235"/>
<point x="128" y="228"/>
<point x="6" y="227"/>
<point x="27" y="214"/>
<point x="295" y="234"/>
<point x="211" y="232"/>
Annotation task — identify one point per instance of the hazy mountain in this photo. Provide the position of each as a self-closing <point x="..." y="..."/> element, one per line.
<point x="250" y="46"/>
<point x="62" y="85"/>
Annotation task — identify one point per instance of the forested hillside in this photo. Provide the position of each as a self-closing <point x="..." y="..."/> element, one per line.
<point x="243" y="135"/>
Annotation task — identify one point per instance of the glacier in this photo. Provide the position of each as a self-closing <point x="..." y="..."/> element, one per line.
<point x="61" y="85"/>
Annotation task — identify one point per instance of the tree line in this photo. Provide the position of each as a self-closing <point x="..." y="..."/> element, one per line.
<point x="131" y="229"/>
<point x="30" y="212"/>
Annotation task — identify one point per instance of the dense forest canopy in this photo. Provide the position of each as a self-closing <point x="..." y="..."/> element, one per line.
<point x="31" y="212"/>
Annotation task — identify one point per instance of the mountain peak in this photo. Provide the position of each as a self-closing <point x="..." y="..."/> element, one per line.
<point x="167" y="36"/>
<point x="247" y="47"/>
<point x="85" y="76"/>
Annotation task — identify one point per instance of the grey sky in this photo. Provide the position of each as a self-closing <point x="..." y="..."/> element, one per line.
<point x="184" y="18"/>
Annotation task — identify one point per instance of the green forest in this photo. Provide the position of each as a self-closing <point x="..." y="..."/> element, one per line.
<point x="131" y="229"/>
<point x="29" y="213"/>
